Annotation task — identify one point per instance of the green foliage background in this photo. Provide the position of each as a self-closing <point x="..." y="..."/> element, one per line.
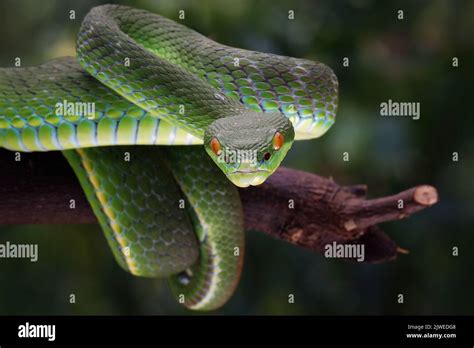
<point x="407" y="60"/>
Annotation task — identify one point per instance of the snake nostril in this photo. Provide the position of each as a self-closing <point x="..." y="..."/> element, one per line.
<point x="267" y="156"/>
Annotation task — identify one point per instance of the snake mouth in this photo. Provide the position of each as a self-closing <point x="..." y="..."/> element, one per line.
<point x="250" y="171"/>
<point x="246" y="178"/>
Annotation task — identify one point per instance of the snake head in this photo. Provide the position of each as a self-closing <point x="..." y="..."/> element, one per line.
<point x="248" y="148"/>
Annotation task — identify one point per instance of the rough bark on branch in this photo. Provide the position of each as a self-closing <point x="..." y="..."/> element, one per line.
<point x="299" y="207"/>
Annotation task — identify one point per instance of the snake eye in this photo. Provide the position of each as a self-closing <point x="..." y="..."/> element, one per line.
<point x="278" y="140"/>
<point x="267" y="156"/>
<point x="216" y="146"/>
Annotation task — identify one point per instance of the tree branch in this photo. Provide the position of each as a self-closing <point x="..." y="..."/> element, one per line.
<point x="299" y="207"/>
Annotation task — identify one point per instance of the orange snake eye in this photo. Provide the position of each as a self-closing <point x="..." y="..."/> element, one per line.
<point x="278" y="140"/>
<point x="216" y="146"/>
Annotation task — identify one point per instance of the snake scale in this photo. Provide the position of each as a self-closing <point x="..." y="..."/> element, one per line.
<point x="167" y="211"/>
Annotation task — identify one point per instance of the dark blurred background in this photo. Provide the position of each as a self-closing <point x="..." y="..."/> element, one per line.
<point x="403" y="60"/>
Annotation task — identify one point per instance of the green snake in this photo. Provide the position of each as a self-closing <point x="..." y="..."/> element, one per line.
<point x="142" y="79"/>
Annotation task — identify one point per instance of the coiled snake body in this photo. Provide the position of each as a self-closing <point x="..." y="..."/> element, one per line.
<point x="167" y="211"/>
